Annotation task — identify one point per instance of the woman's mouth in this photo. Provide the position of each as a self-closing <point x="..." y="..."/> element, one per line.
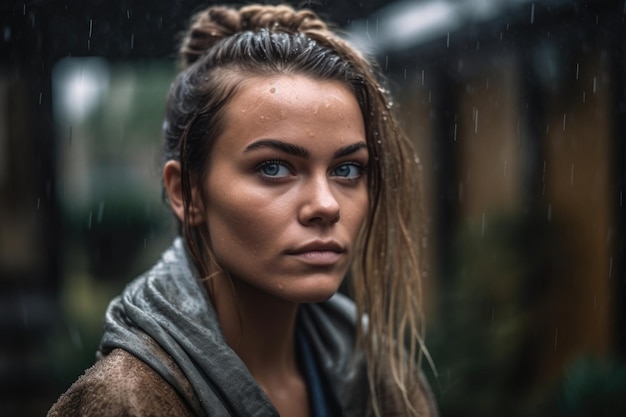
<point x="319" y="252"/>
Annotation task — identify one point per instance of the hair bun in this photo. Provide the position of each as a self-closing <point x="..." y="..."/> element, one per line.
<point x="281" y="18"/>
<point x="218" y="22"/>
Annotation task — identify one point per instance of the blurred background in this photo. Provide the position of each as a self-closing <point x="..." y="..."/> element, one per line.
<point x="517" y="108"/>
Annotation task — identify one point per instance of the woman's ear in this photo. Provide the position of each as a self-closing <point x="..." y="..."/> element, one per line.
<point x="172" y="180"/>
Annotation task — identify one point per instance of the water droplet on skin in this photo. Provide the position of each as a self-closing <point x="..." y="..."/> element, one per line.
<point x="272" y="90"/>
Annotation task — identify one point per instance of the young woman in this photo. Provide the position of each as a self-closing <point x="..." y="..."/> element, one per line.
<point x="287" y="172"/>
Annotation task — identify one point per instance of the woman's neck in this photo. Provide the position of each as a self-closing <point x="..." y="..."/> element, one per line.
<point x="261" y="330"/>
<point x="258" y="327"/>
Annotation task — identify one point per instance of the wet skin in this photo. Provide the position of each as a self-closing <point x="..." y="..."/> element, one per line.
<point x="286" y="194"/>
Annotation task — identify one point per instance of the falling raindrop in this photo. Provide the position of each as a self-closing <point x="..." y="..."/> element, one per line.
<point x="556" y="338"/>
<point x="571" y="179"/>
<point x="90" y="26"/>
<point x="75" y="337"/>
<point x="610" y="267"/>
<point x="577" y="69"/>
<point x="38" y="203"/>
<point x="454" y="134"/>
<point x="505" y="166"/>
<point x="549" y="212"/>
<point x="532" y="13"/>
<point x="564" y="118"/>
<point x="100" y="212"/>
<point x="89" y="220"/>
<point x="482" y="229"/>
<point x="422" y="77"/>
<point x="405" y="73"/>
<point x="448" y="41"/>
<point x="584" y="96"/>
<point x="475" y="120"/>
<point x="386" y="62"/>
<point x="132" y="41"/>
<point x="40" y="96"/>
<point x="594" y="85"/>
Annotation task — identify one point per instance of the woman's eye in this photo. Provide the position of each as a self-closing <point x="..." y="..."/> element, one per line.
<point x="348" y="171"/>
<point x="274" y="169"/>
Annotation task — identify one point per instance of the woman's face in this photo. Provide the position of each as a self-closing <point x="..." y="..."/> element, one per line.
<point x="286" y="192"/>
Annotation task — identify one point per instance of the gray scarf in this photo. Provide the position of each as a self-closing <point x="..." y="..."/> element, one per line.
<point x="166" y="319"/>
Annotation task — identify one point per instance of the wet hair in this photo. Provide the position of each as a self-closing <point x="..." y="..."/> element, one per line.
<point x="224" y="46"/>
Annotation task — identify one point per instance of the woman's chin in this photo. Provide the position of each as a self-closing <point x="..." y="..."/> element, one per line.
<point x="313" y="292"/>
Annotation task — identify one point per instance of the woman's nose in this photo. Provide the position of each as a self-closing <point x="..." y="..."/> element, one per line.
<point x="320" y="206"/>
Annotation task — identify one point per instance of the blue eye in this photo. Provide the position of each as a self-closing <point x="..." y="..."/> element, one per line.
<point x="274" y="169"/>
<point x="349" y="171"/>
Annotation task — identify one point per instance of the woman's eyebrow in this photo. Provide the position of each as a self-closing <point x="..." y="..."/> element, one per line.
<point x="279" y="145"/>
<point x="299" y="151"/>
<point x="347" y="150"/>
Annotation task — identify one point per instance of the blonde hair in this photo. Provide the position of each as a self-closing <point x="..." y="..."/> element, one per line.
<point x="221" y="43"/>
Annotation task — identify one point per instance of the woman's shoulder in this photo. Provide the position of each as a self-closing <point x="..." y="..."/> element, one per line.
<point x="120" y="384"/>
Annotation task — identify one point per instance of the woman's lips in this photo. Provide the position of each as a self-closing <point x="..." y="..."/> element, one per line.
<point x="318" y="252"/>
<point x="318" y="257"/>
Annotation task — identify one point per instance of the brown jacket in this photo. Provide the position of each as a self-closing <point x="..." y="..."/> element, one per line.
<point x="120" y="385"/>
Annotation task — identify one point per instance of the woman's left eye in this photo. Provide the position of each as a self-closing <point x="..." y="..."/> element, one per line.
<point x="349" y="171"/>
